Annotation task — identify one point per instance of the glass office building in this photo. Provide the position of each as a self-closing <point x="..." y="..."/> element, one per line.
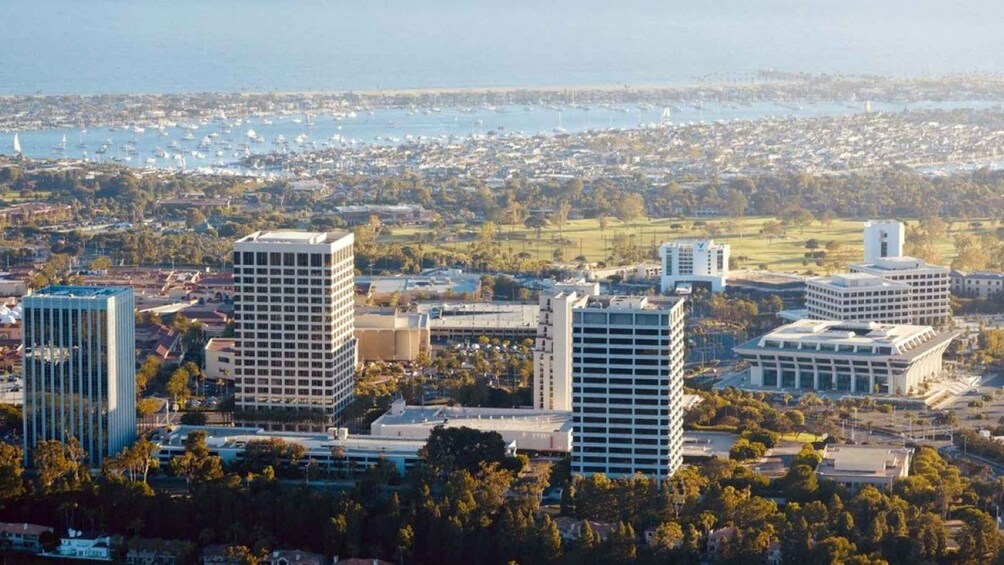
<point x="80" y="369"/>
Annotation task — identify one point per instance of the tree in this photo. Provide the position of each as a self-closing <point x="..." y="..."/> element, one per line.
<point x="668" y="536"/>
<point x="772" y="230"/>
<point x="146" y="373"/>
<point x="58" y="465"/>
<point x="134" y="462"/>
<point x="195" y="218"/>
<point x="744" y="450"/>
<point x="550" y="539"/>
<point x="403" y="544"/>
<point x="536" y="223"/>
<point x="561" y="214"/>
<point x="737" y="203"/>
<point x="587" y="538"/>
<point x="100" y="263"/>
<point x="796" y="216"/>
<point x="978" y="539"/>
<point x="11" y="469"/>
<point x="833" y="549"/>
<point x="465" y="449"/>
<point x="196" y="464"/>
<point x="630" y="208"/>
<point x="177" y="385"/>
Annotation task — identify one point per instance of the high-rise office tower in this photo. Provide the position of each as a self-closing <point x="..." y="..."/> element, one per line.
<point x="627" y="386"/>
<point x="552" y="354"/>
<point x="883" y="238"/>
<point x="295" y="347"/>
<point x="80" y="369"/>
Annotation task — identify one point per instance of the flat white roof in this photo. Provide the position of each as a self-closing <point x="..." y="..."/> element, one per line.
<point x="221" y="437"/>
<point x="858" y="280"/>
<point x="292" y="237"/>
<point x="486" y="419"/>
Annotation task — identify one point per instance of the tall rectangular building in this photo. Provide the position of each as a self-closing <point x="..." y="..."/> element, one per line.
<point x="552" y="354"/>
<point x="294" y="347"/>
<point x="883" y="238"/>
<point x="80" y="369"/>
<point x="627" y="386"/>
<point x="694" y="261"/>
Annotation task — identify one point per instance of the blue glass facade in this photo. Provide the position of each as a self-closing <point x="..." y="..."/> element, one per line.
<point x="80" y="369"/>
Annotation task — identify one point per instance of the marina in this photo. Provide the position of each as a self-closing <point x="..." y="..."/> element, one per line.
<point x="220" y="144"/>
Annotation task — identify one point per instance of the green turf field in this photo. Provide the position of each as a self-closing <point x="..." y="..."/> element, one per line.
<point x="785" y="253"/>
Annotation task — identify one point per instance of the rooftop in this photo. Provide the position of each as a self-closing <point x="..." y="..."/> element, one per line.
<point x="851" y="338"/>
<point x="858" y="280"/>
<point x="223" y="437"/>
<point x="220" y="344"/>
<point x="889" y="264"/>
<point x="80" y="291"/>
<point x="486" y="419"/>
<point x="841" y="462"/>
<point x="291" y="237"/>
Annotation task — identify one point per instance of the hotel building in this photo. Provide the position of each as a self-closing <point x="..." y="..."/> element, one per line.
<point x="79" y="369"/>
<point x="294" y="342"/>
<point x="694" y="261"/>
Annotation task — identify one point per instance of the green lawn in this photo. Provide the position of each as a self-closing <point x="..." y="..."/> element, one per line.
<point x="785" y="253"/>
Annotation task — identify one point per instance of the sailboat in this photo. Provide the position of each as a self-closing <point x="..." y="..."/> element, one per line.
<point x="559" y="129"/>
<point x="17" y="145"/>
<point x="667" y="115"/>
<point x="61" y="148"/>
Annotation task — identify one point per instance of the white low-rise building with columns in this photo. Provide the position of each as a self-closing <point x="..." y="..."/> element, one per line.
<point x="855" y="357"/>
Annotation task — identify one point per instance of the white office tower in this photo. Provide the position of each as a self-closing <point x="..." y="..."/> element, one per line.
<point x="552" y="354"/>
<point x="295" y="347"/>
<point x="929" y="286"/>
<point x="690" y="262"/>
<point x="883" y="238"/>
<point x="859" y="297"/>
<point x="627" y="386"/>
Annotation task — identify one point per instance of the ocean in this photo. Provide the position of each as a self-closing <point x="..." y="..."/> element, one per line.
<point x="129" y="46"/>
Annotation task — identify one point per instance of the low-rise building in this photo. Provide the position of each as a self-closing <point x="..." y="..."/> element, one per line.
<point x="855" y="466"/>
<point x="978" y="284"/>
<point x="534" y="430"/>
<point x="160" y="341"/>
<point x="334" y="450"/>
<point x="82" y="545"/>
<point x="294" y="557"/>
<point x="388" y="335"/>
<point x="219" y="358"/>
<point x="460" y="322"/>
<point x="391" y="214"/>
<point x="856" y="357"/>
<point x="929" y="285"/>
<point x="859" y="297"/>
<point x="430" y="284"/>
<point x="22" y="536"/>
<point x="149" y="551"/>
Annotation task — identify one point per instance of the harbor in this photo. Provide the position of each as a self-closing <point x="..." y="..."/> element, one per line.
<point x="223" y="144"/>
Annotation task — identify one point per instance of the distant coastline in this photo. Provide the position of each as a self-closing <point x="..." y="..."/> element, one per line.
<point x="49" y="111"/>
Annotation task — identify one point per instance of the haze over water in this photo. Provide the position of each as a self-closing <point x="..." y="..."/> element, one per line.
<point x="122" y="46"/>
